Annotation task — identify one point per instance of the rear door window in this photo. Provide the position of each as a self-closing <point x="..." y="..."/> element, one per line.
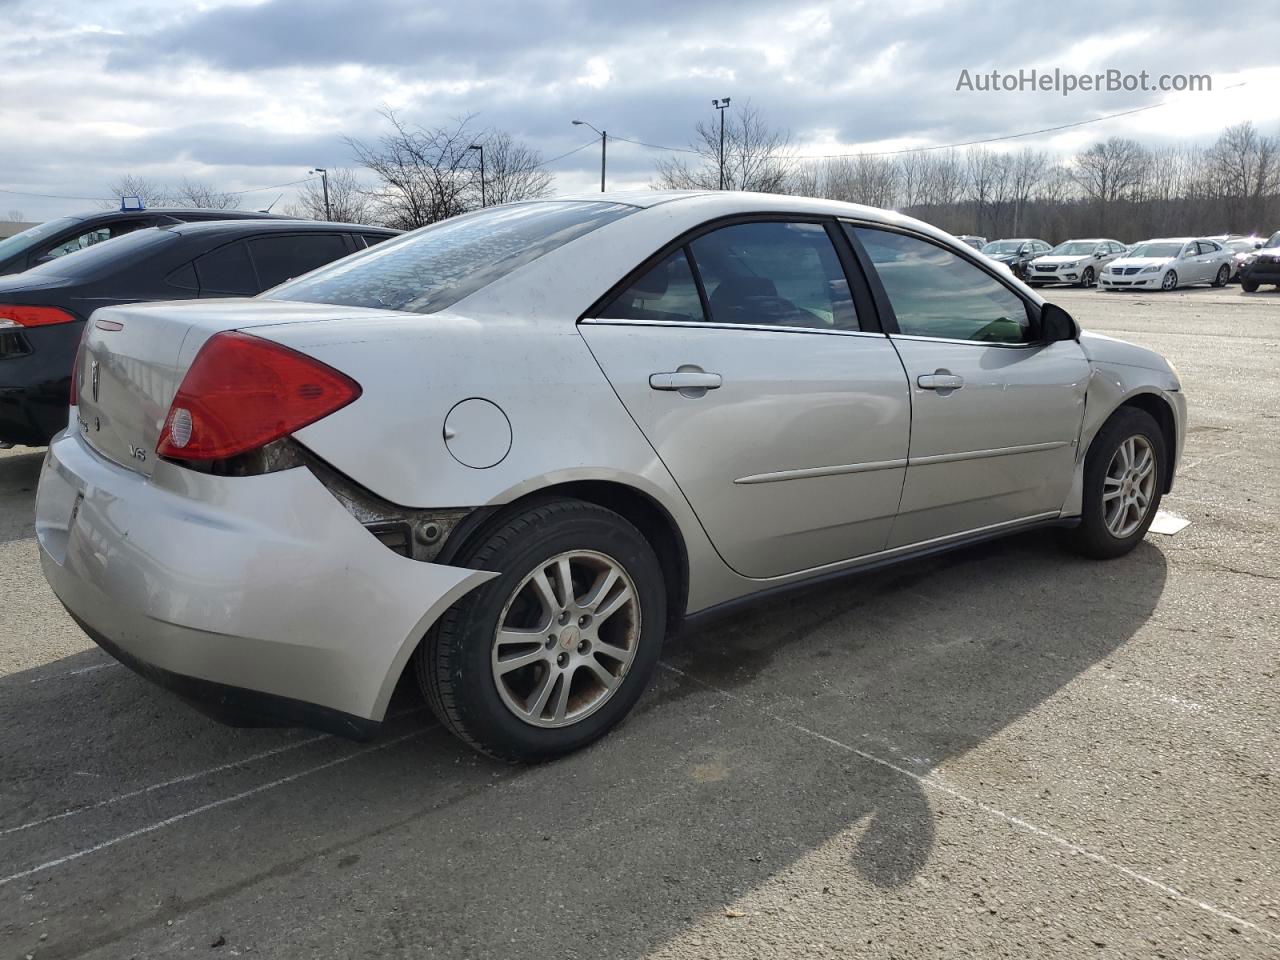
<point x="774" y="274"/>
<point x="227" y="271"/>
<point x="281" y="258"/>
<point x="666" y="293"/>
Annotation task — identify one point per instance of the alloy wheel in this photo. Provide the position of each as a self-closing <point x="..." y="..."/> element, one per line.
<point x="1087" y="279"/>
<point x="1170" y="281"/>
<point x="565" y="639"/>
<point x="1129" y="486"/>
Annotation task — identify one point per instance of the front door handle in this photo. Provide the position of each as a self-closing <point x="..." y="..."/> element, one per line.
<point x="685" y="380"/>
<point x="939" y="381"/>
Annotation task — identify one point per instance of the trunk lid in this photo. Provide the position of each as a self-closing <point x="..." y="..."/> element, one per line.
<point x="134" y="357"/>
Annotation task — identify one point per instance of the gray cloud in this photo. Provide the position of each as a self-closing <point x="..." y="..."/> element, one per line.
<point x="246" y="95"/>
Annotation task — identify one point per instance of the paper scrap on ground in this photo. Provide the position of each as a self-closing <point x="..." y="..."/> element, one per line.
<point x="1168" y="523"/>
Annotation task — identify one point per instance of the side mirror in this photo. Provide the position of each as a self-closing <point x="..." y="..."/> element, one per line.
<point x="1056" y="324"/>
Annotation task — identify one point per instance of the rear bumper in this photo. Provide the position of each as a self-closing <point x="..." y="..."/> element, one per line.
<point x="259" y="598"/>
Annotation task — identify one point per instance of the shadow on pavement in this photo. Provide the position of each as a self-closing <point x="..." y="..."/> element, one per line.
<point x="699" y="797"/>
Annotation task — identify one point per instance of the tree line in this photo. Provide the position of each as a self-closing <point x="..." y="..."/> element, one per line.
<point x="412" y="175"/>
<point x="1114" y="188"/>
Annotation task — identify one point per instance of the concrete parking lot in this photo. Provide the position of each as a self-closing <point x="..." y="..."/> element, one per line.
<point x="1003" y="752"/>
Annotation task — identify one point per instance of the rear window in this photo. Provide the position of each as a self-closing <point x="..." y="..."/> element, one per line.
<point x="101" y="258"/>
<point x="435" y="267"/>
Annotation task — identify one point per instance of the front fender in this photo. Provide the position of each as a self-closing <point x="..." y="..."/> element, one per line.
<point x="1111" y="386"/>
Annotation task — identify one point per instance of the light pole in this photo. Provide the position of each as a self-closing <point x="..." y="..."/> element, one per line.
<point x="721" y="105"/>
<point x="476" y="146"/>
<point x="324" y="178"/>
<point x="604" y="141"/>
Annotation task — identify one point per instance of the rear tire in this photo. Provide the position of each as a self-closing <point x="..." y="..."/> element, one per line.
<point x="1110" y="481"/>
<point x="1224" y="274"/>
<point x="579" y="659"/>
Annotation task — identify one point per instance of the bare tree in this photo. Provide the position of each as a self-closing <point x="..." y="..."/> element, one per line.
<point x="513" y="171"/>
<point x="1026" y="169"/>
<point x="429" y="174"/>
<point x="15" y="216"/>
<point x="349" y="202"/>
<point x="187" y="193"/>
<point x="150" y="192"/>
<point x="756" y="156"/>
<point x="1108" y="172"/>
<point x="1244" y="167"/>
<point x="194" y="193"/>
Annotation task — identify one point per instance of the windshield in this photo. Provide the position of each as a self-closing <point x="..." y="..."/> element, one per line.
<point x="435" y="267"/>
<point x="1275" y="240"/>
<point x="1003" y="246"/>
<point x="104" y="256"/>
<point x="32" y="235"/>
<point x="1075" y="248"/>
<point x="1240" y="246"/>
<point x="1159" y="250"/>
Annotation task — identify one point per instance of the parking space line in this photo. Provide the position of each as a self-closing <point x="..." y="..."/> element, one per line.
<point x="934" y="784"/>
<point x="186" y="777"/>
<point x="75" y="673"/>
<point x="205" y="808"/>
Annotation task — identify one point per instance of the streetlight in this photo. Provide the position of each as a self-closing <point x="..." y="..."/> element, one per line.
<point x="480" y="147"/>
<point x="721" y="105"/>
<point x="604" y="139"/>
<point x="324" y="177"/>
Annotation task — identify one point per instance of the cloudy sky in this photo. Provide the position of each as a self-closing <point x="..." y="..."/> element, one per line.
<point x="250" y="93"/>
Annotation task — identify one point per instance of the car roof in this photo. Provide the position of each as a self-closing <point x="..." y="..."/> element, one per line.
<point x="206" y="227"/>
<point x="179" y="212"/>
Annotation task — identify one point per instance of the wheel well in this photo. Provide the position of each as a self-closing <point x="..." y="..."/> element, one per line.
<point x="1162" y="413"/>
<point x="643" y="512"/>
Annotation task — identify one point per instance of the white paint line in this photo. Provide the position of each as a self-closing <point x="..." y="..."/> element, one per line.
<point x="204" y="808"/>
<point x="186" y="778"/>
<point x="75" y="673"/>
<point x="934" y="784"/>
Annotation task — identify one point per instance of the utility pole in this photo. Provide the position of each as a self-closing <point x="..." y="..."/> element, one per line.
<point x="324" y="178"/>
<point x="604" y="143"/>
<point x="721" y="105"/>
<point x="483" y="199"/>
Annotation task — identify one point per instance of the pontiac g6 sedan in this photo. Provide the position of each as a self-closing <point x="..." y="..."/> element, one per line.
<point x="513" y="450"/>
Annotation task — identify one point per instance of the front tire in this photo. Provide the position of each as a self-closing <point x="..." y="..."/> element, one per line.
<point x="555" y="651"/>
<point x="1224" y="274"/>
<point x="1087" y="279"/>
<point x="1170" y="281"/>
<point x="1123" y="484"/>
<point x="1248" y="286"/>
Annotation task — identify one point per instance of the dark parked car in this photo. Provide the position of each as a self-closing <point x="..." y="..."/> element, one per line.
<point x="56" y="238"/>
<point x="43" y="311"/>
<point x="1016" y="254"/>
<point x="1262" y="266"/>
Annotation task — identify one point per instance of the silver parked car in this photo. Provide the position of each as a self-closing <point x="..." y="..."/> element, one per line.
<point x="511" y="451"/>
<point x="1074" y="261"/>
<point x="1168" y="264"/>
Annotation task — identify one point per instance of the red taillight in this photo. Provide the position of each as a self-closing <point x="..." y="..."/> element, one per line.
<point x="243" y="392"/>
<point x="13" y="315"/>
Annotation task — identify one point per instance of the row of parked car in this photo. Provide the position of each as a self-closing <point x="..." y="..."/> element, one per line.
<point x="1160" y="264"/>
<point x="170" y="254"/>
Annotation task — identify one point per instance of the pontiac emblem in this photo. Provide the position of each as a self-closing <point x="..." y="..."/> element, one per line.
<point x="93" y="380"/>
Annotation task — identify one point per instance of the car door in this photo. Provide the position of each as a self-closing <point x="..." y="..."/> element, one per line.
<point x="1211" y="256"/>
<point x="996" y="413"/>
<point x="760" y="379"/>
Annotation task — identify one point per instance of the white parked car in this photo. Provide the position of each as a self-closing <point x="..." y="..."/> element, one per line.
<point x="1170" y="263"/>
<point x="1074" y="261"/>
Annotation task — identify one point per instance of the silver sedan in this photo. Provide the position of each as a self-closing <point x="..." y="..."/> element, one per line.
<point x="511" y="451"/>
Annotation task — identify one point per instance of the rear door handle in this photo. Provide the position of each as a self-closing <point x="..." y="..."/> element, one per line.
<point x="685" y="380"/>
<point x="939" y="381"/>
